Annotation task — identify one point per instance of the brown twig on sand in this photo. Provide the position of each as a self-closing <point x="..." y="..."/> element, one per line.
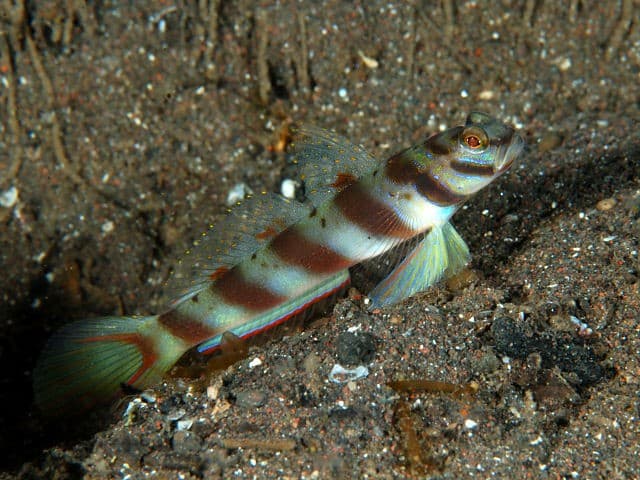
<point x="411" y="44"/>
<point x="527" y="17"/>
<point x="447" y="6"/>
<point x="208" y="12"/>
<point x="212" y="28"/>
<point x="267" y="444"/>
<point x="620" y="29"/>
<point x="264" y="84"/>
<point x="302" y="65"/>
<point x="56" y="132"/>
<point x="573" y="11"/>
<point x="85" y="15"/>
<point x="462" y="62"/>
<point x="14" y="14"/>
<point x="12" y="113"/>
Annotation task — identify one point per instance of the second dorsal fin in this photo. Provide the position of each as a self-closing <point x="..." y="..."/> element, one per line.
<point x="248" y="226"/>
<point x="327" y="162"/>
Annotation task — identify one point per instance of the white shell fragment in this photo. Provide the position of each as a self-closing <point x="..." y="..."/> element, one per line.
<point x="339" y="374"/>
<point x="9" y="197"/>
<point x="256" y="362"/>
<point x="237" y="193"/>
<point x="369" y="62"/>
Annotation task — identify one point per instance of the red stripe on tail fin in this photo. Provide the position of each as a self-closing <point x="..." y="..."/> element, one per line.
<point x="144" y="346"/>
<point x="86" y="362"/>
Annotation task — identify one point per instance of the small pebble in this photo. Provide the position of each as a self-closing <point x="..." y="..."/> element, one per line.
<point x="486" y="95"/>
<point x="256" y="362"/>
<point x="488" y="363"/>
<point x="107" y="227"/>
<point x="288" y="188"/>
<point x="356" y="348"/>
<point x="185" y="442"/>
<point x="176" y="415"/>
<point x="549" y="141"/>
<point x="311" y="363"/>
<point x="184" y="424"/>
<point x="606" y="204"/>
<point x="148" y="397"/>
<point x="213" y="391"/>
<point x="369" y="62"/>
<point x="250" y="398"/>
<point x="470" y="424"/>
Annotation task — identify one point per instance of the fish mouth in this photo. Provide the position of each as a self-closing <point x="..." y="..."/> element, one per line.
<point x="508" y="152"/>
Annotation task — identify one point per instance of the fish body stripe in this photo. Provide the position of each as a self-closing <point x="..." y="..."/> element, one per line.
<point x="369" y="213"/>
<point x="251" y="328"/>
<point x="233" y="288"/>
<point x="267" y="269"/>
<point x="475" y="169"/>
<point x="293" y="248"/>
<point x="431" y="188"/>
<point x="186" y="326"/>
<point x="401" y="170"/>
<point x="414" y="209"/>
<point x="331" y="229"/>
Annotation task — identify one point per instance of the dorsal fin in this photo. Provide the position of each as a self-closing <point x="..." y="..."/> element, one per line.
<point x="248" y="226"/>
<point x="327" y="162"/>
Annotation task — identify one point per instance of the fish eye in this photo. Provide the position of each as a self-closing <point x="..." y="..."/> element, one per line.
<point x="474" y="138"/>
<point x="473" y="141"/>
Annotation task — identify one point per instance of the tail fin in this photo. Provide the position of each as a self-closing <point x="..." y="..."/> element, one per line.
<point x="87" y="362"/>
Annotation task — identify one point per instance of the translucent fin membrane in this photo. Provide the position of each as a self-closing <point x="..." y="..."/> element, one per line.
<point x="328" y="162"/>
<point x="87" y="362"/>
<point x="441" y="254"/>
<point x="249" y="226"/>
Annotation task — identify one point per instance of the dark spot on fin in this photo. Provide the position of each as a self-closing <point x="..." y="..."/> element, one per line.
<point x="269" y="232"/>
<point x="218" y="273"/>
<point x="343" y="180"/>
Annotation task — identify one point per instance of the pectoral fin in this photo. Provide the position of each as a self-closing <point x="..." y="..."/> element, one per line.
<point x="441" y="254"/>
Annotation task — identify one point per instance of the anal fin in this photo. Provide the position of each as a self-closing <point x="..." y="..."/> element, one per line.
<point x="441" y="254"/>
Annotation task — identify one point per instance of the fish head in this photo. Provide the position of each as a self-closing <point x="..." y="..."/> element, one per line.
<point x="469" y="157"/>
